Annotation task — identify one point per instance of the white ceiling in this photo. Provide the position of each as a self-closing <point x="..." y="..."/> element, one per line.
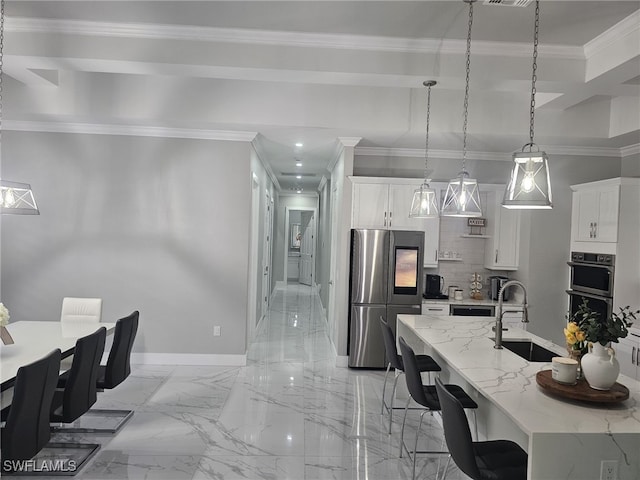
<point x="313" y="71"/>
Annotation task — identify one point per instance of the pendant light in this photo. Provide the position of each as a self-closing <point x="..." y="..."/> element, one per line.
<point x="462" y="198"/>
<point x="15" y="198"/>
<point x="530" y="186"/>
<point x="425" y="203"/>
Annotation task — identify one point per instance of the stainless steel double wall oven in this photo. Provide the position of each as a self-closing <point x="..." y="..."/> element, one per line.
<point x="592" y="277"/>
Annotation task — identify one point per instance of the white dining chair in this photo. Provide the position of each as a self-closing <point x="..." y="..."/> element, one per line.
<point x="79" y="310"/>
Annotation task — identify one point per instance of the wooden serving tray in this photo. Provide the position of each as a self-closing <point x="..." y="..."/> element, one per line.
<point x="582" y="390"/>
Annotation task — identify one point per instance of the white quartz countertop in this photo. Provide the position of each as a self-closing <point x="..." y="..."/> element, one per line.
<point x="509" y="381"/>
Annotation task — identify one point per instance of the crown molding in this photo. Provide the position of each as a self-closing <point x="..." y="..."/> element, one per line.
<point x="282" y="38"/>
<point x="610" y="37"/>
<point x="501" y="156"/>
<point x="128" y="130"/>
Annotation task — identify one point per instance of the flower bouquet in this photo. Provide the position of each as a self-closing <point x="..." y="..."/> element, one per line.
<point x="5" y="336"/>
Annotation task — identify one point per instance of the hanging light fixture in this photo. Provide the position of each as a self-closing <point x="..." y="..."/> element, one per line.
<point x="15" y="198"/>
<point x="530" y="186"/>
<point x="425" y="203"/>
<point x="462" y="198"/>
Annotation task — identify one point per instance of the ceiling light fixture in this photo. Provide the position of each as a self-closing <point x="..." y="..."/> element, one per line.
<point x="298" y="164"/>
<point x="425" y="203"/>
<point x="530" y="185"/>
<point x="298" y="177"/>
<point x="462" y="198"/>
<point x="299" y="144"/>
<point x="15" y="198"/>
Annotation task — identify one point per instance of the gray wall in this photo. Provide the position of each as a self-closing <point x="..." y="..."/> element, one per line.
<point x="144" y="223"/>
<point x="631" y="166"/>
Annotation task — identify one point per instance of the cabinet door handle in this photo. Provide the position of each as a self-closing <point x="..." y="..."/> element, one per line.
<point x="595" y="229"/>
<point x="638" y="356"/>
<point x="390" y="214"/>
<point x="496" y="255"/>
<point x="633" y="356"/>
<point x="591" y="230"/>
<point x="385" y="219"/>
<point x="436" y="255"/>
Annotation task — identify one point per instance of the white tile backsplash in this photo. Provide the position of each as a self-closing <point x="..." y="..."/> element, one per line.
<point x="470" y="250"/>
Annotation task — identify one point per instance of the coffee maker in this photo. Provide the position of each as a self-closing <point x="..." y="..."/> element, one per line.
<point x="433" y="286"/>
<point x="495" y="285"/>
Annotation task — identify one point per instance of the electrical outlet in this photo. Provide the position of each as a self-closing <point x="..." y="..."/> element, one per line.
<point x="216" y="331"/>
<point x="609" y="470"/>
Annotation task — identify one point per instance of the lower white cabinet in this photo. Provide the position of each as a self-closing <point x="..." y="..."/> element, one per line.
<point x="628" y="355"/>
<point x="435" y="308"/>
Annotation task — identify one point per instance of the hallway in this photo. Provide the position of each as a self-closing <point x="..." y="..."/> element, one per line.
<point x="289" y="414"/>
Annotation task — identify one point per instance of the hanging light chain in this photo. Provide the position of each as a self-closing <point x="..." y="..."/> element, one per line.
<point x="535" y="68"/>
<point x="1" y="59"/>
<point x="429" y="84"/>
<point x="466" y="90"/>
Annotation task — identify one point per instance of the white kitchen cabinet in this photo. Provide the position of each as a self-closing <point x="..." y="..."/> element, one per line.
<point x="435" y="308"/>
<point x="502" y="247"/>
<point x="595" y="213"/>
<point x="385" y="203"/>
<point x="628" y="355"/>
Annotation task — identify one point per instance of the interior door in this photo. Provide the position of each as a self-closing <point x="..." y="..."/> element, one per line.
<point x="306" y="248"/>
<point x="266" y="265"/>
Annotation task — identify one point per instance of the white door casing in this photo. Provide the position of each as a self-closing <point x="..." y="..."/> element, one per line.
<point x="307" y="248"/>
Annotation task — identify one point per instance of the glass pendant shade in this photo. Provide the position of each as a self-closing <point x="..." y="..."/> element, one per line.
<point x="425" y="203"/>
<point x="17" y="198"/>
<point x="462" y="198"/>
<point x="529" y="187"/>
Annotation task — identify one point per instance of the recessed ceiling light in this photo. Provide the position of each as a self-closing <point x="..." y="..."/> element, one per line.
<point x="299" y="190"/>
<point x="299" y="144"/>
<point x="298" y="164"/>
<point x="298" y="176"/>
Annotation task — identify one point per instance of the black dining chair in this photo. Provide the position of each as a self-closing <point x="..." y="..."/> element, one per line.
<point x="116" y="370"/>
<point x="488" y="460"/>
<point x="78" y="392"/>
<point x="425" y="364"/>
<point x="26" y="430"/>
<point x="427" y="397"/>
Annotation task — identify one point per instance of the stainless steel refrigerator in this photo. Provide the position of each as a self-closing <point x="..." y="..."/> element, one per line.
<point x="385" y="280"/>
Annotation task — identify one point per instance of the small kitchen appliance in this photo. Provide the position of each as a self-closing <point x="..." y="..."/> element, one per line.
<point x="433" y="286"/>
<point x="495" y="285"/>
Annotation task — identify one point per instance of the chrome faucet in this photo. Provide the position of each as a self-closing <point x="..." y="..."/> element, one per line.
<point x="500" y="313"/>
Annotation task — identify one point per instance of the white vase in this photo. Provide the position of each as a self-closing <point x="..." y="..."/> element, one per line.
<point x="600" y="367"/>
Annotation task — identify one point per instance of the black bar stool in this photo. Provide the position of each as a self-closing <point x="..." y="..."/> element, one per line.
<point x="425" y="364"/>
<point x="426" y="396"/>
<point x="489" y="460"/>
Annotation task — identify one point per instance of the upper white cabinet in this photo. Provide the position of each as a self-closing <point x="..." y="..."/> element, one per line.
<point x="502" y="248"/>
<point x="594" y="215"/>
<point x="384" y="203"/>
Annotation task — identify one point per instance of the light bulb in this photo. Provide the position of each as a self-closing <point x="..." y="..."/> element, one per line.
<point x="463" y="198"/>
<point x="528" y="183"/>
<point x="423" y="204"/>
<point x="9" y="199"/>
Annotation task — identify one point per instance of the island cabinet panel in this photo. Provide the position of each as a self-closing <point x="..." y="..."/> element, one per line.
<point x="502" y="248"/>
<point x="628" y="355"/>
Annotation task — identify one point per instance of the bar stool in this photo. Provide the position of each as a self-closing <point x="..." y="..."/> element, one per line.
<point x="489" y="460"/>
<point x="425" y="364"/>
<point x="426" y="396"/>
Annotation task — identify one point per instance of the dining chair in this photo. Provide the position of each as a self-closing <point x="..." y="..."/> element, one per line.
<point x="487" y="460"/>
<point x="427" y="397"/>
<point x="79" y="309"/>
<point x="26" y="430"/>
<point x="116" y="370"/>
<point x="425" y="364"/>
<point x="78" y="392"/>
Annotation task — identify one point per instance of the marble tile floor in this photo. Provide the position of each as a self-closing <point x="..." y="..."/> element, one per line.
<point x="289" y="414"/>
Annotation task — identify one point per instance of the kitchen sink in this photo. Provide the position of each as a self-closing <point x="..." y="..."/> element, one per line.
<point x="528" y="350"/>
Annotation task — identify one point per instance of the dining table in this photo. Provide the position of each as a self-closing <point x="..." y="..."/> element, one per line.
<point x="35" y="339"/>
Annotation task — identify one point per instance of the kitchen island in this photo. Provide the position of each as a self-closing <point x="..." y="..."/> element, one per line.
<point x="564" y="439"/>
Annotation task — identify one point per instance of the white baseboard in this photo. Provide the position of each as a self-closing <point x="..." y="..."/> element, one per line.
<point x="188" y="359"/>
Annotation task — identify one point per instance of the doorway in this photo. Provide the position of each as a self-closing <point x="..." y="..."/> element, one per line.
<point x="300" y="245"/>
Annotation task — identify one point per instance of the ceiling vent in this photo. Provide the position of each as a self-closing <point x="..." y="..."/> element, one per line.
<point x="508" y="3"/>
